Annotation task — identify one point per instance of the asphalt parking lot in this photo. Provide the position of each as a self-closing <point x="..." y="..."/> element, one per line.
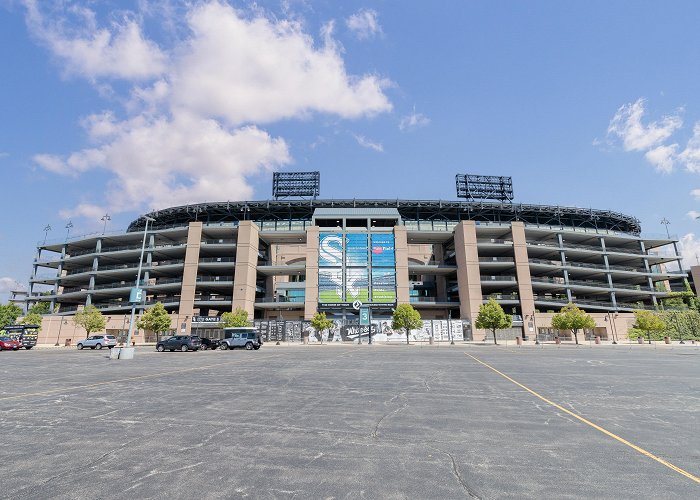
<point x="352" y="422"/>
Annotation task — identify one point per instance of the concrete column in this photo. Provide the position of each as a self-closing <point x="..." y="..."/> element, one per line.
<point x="562" y="253"/>
<point x="271" y="281"/>
<point x="695" y="275"/>
<point x="440" y="280"/>
<point x="401" y="253"/>
<point x="189" y="273"/>
<point x="246" y="267"/>
<point x="468" y="275"/>
<point x="311" y="293"/>
<point x="522" y="269"/>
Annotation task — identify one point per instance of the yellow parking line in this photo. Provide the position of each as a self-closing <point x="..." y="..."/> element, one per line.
<point x="588" y="422"/>
<point x="128" y="379"/>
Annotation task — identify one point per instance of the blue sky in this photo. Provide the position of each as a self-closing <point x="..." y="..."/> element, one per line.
<point x="119" y="107"/>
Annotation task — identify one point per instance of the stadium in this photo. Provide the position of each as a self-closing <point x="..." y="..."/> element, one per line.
<point x="284" y="259"/>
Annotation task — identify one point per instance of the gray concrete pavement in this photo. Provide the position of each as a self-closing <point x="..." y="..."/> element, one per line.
<point x="350" y="422"/>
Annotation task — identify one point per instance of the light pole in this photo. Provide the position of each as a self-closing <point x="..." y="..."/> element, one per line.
<point x="138" y="283"/>
<point x="46" y="232"/>
<point x="106" y="217"/>
<point x="60" y="326"/>
<point x="534" y="325"/>
<point x="613" y="330"/>
<point x="68" y="227"/>
<point x="449" y="326"/>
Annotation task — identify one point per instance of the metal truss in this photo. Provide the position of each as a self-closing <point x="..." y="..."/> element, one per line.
<point x="410" y="210"/>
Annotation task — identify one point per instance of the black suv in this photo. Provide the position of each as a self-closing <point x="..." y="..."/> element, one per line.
<point x="209" y="343"/>
<point x="180" y="343"/>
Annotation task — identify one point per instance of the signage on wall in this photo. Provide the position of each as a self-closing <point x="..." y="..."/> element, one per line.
<point x="206" y="319"/>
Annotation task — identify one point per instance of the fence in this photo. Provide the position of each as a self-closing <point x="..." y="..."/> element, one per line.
<point x="348" y="331"/>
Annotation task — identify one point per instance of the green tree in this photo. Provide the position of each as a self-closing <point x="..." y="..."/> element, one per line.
<point x="493" y="317"/>
<point x="32" y="318"/>
<point x="648" y="321"/>
<point x="406" y="317"/>
<point x="40" y="308"/>
<point x="9" y="313"/>
<point x="319" y="323"/>
<point x="572" y="318"/>
<point x="91" y="319"/>
<point x="155" y="319"/>
<point x="239" y="317"/>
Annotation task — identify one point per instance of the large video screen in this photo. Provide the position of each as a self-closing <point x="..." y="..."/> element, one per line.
<point x="330" y="285"/>
<point x="383" y="250"/>
<point x="330" y="252"/>
<point x="383" y="285"/>
<point x="356" y="284"/>
<point x="356" y="250"/>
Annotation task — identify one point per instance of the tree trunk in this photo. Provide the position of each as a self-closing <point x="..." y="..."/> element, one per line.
<point x="407" y="343"/>
<point x="494" y="337"/>
<point x="576" y="336"/>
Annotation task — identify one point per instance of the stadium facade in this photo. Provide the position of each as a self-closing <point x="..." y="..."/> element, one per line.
<point x="284" y="260"/>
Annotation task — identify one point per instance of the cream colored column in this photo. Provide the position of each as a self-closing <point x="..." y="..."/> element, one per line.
<point x="311" y="293"/>
<point x="695" y="274"/>
<point x="246" y="267"/>
<point x="522" y="270"/>
<point x="468" y="274"/>
<point x="440" y="280"/>
<point x="189" y="273"/>
<point x="401" y="253"/>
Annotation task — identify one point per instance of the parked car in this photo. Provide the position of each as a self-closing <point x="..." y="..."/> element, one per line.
<point x="98" y="342"/>
<point x="7" y="343"/>
<point x="179" y="342"/>
<point x="209" y="343"/>
<point x="240" y="337"/>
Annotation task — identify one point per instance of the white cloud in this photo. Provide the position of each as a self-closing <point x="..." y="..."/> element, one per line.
<point x="662" y="157"/>
<point x="690" y="156"/>
<point x="261" y="71"/>
<point x="120" y="51"/>
<point x="689" y="248"/>
<point x="4" y="154"/>
<point x="193" y="132"/>
<point x="364" y="24"/>
<point x="694" y="214"/>
<point x="636" y="136"/>
<point x="86" y="210"/>
<point x="9" y="284"/>
<point x="413" y="121"/>
<point x="162" y="162"/>
<point x="366" y="143"/>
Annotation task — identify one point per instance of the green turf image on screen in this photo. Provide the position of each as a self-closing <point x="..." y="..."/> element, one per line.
<point x="383" y="296"/>
<point x="329" y="296"/>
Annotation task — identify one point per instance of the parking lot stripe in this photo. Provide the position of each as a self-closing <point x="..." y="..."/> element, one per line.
<point x="595" y="426"/>
<point x="128" y="379"/>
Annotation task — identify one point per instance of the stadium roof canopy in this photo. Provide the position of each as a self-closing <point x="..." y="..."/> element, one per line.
<point x="410" y="210"/>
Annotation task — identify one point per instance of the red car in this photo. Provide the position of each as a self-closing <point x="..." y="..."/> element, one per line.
<point x="8" y="343"/>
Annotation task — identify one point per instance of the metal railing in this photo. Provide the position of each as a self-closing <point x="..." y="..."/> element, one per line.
<point x="497" y="259"/>
<point x="497" y="278"/>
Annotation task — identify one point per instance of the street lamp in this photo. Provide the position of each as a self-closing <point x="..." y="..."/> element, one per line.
<point x="46" y="232"/>
<point x="449" y="326"/>
<point x="68" y="227"/>
<point x="106" y="217"/>
<point x="534" y="325"/>
<point x="613" y="329"/>
<point x="138" y="283"/>
<point x="60" y="326"/>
